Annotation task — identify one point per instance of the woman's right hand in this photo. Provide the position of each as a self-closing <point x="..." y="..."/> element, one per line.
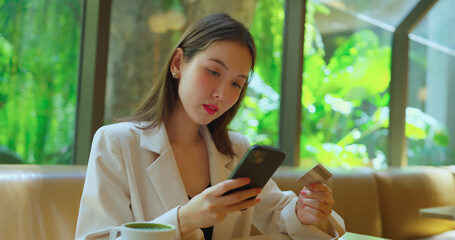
<point x="211" y="207"/>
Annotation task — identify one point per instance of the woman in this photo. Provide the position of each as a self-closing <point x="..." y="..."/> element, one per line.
<point x="169" y="162"/>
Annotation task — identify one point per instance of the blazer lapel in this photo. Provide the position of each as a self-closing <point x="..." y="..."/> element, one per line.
<point x="166" y="180"/>
<point x="218" y="162"/>
<point x="163" y="172"/>
<point x="220" y="168"/>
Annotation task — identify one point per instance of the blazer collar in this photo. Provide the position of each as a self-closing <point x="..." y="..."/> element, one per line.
<point x="154" y="139"/>
<point x="164" y="169"/>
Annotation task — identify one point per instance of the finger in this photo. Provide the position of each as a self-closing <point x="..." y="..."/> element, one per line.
<point x="320" y="196"/>
<point x="240" y="206"/>
<point x="242" y="195"/>
<point x="315" y="212"/>
<point x="320" y="187"/>
<point x="329" y="202"/>
<point x="228" y="185"/>
<point x="311" y="203"/>
<point x="317" y="205"/>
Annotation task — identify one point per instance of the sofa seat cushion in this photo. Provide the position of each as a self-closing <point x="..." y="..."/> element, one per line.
<point x="443" y="236"/>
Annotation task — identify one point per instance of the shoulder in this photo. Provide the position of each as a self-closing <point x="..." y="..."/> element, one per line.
<point x="124" y="133"/>
<point x="121" y="129"/>
<point x="118" y="137"/>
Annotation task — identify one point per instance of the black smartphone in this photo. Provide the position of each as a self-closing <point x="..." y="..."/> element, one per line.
<point x="259" y="163"/>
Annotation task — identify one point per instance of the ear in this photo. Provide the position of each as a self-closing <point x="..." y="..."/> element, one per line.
<point x="177" y="62"/>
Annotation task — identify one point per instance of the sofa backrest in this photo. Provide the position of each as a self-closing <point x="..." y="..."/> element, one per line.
<point x="386" y="203"/>
<point x="403" y="191"/>
<point x="40" y="201"/>
<point x="355" y="193"/>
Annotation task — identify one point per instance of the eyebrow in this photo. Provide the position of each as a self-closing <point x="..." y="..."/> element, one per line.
<point x="225" y="67"/>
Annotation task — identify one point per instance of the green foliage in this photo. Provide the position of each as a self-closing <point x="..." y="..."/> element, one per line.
<point x="258" y="118"/>
<point x="337" y="97"/>
<point x="5" y="65"/>
<point x="267" y="30"/>
<point x="344" y="103"/>
<point x="39" y="51"/>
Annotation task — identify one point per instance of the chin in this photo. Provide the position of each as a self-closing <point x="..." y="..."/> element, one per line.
<point x="208" y="122"/>
<point x="203" y="121"/>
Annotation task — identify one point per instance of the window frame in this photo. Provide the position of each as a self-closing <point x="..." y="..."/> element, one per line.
<point x="92" y="75"/>
<point x="397" y="143"/>
<point x="291" y="89"/>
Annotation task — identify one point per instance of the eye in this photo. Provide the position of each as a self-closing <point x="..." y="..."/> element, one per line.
<point x="236" y="85"/>
<point x="214" y="73"/>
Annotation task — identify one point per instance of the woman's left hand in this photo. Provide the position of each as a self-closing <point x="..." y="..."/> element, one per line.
<point x="315" y="204"/>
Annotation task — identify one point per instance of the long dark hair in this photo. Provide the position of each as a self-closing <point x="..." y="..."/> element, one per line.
<point x="159" y="103"/>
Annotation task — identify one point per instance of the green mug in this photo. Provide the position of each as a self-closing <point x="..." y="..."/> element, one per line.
<point x="143" y="231"/>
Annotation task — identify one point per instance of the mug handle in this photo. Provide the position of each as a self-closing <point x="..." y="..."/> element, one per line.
<point x="114" y="232"/>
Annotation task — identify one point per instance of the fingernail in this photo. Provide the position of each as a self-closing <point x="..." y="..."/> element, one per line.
<point x="258" y="200"/>
<point x="246" y="180"/>
<point x="301" y="200"/>
<point x="258" y="190"/>
<point x="303" y="192"/>
<point x="312" y="185"/>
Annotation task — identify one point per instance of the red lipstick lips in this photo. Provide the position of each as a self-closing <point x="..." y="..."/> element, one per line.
<point x="210" y="108"/>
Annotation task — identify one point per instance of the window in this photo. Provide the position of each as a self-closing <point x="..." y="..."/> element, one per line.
<point x="345" y="97"/>
<point x="346" y="77"/>
<point x="347" y="72"/>
<point x="39" y="56"/>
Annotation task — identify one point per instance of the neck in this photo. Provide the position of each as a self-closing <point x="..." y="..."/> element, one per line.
<point x="180" y="128"/>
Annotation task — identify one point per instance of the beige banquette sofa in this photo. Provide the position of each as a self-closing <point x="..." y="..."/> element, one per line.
<point x="41" y="202"/>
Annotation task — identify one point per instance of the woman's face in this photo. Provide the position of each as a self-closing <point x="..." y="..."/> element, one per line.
<point x="210" y="83"/>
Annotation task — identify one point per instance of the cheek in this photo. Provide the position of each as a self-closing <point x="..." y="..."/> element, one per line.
<point x="233" y="98"/>
<point x="236" y="95"/>
<point x="202" y="83"/>
<point x="192" y="83"/>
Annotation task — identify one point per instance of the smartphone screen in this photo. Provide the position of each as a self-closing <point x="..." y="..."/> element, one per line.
<point x="259" y="163"/>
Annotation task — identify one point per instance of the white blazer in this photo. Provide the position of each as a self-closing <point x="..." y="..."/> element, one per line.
<point x="132" y="175"/>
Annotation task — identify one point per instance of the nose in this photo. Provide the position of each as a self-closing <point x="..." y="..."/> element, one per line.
<point x="221" y="91"/>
